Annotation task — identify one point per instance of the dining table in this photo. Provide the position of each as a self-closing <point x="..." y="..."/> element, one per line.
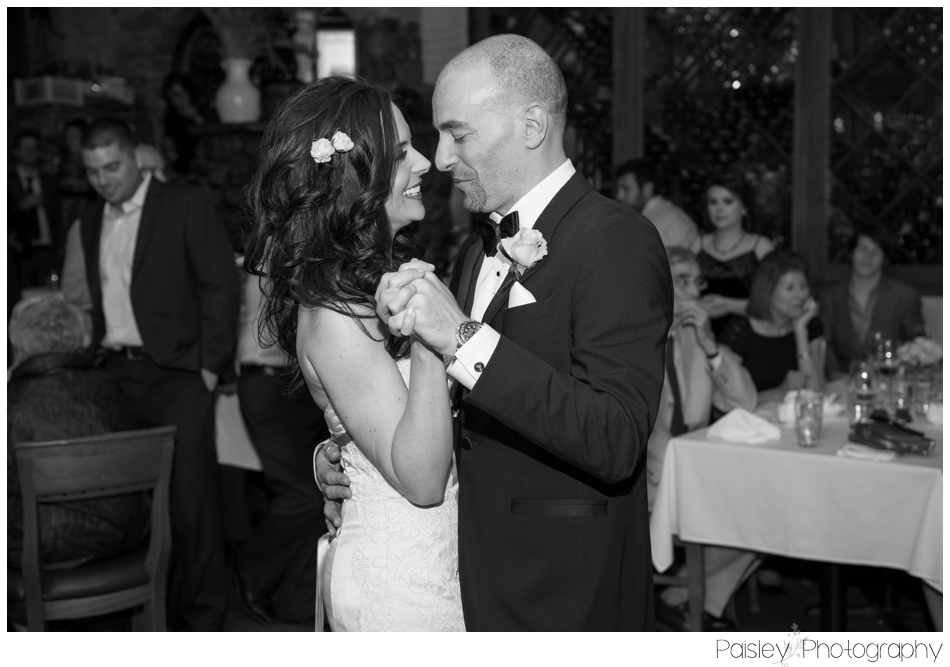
<point x="816" y="504"/>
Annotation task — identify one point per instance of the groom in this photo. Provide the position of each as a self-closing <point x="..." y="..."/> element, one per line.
<point x="562" y="371"/>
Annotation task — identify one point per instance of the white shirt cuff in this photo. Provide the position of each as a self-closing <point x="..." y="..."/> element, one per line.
<point x="471" y="358"/>
<point x="716" y="361"/>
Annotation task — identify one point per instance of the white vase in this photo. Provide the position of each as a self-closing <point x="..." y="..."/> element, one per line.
<point x="238" y="100"/>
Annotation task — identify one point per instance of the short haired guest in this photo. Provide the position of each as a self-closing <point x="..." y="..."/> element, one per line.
<point x="869" y="302"/>
<point x="54" y="393"/>
<point x="700" y="374"/>
<point x="639" y="188"/>
<point x="782" y="341"/>
<point x="164" y="292"/>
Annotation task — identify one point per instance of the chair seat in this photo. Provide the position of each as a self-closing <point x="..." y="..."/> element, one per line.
<point x="99" y="578"/>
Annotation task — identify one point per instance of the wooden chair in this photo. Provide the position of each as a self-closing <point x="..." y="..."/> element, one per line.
<point x="86" y="468"/>
<point x="694" y="581"/>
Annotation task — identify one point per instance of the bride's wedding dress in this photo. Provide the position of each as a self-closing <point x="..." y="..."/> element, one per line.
<point x="393" y="565"/>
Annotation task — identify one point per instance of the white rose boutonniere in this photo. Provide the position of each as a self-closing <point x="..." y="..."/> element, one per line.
<point x="523" y="250"/>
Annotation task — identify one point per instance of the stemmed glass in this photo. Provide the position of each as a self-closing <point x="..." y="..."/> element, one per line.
<point x="862" y="387"/>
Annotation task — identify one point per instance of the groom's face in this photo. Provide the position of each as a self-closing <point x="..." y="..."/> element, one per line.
<point x="478" y="138"/>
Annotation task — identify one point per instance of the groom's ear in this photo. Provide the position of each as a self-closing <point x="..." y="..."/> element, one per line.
<point x="536" y="121"/>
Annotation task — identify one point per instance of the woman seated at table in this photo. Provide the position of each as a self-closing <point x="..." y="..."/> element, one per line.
<point x="728" y="256"/>
<point x="868" y="304"/>
<point x="781" y="342"/>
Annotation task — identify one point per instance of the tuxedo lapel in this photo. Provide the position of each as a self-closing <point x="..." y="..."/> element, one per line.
<point x="469" y="263"/>
<point x="547" y="223"/>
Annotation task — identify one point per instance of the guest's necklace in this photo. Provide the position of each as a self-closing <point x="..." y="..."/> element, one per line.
<point x="731" y="248"/>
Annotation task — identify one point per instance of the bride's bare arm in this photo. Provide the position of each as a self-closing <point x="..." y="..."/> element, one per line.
<point x="405" y="433"/>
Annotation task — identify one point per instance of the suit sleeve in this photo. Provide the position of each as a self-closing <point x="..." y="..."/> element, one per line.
<point x="216" y="277"/>
<point x="599" y="416"/>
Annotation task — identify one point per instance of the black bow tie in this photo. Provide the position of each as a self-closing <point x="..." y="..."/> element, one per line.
<point x="491" y="232"/>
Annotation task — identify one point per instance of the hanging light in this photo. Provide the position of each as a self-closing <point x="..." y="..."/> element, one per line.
<point x="336" y="44"/>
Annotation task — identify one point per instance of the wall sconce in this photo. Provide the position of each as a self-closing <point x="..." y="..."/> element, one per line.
<point x="336" y="44"/>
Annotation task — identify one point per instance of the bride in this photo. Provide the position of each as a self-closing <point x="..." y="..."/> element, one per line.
<point x="337" y="183"/>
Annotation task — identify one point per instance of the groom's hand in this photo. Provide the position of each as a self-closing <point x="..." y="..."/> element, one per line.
<point x="333" y="484"/>
<point x="421" y="304"/>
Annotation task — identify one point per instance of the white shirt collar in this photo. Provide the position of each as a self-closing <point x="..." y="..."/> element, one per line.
<point x="137" y="200"/>
<point x="537" y="198"/>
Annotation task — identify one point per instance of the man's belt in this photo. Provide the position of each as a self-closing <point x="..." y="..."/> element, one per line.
<point x="131" y="352"/>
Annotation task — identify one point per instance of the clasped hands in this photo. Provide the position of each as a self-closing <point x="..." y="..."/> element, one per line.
<point x="412" y="301"/>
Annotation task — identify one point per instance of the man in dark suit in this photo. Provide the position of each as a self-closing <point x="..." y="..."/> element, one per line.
<point x="164" y="292"/>
<point x="562" y="369"/>
<point x="34" y="230"/>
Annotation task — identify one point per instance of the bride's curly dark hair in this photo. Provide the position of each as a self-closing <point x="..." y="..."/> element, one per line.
<point x="321" y="235"/>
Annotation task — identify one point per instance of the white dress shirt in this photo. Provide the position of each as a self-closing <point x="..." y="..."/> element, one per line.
<point x="120" y="229"/>
<point x="480" y="347"/>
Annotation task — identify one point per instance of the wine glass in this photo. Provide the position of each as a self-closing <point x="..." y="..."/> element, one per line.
<point x="862" y="389"/>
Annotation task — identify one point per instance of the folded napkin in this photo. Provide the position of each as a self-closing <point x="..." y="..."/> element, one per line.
<point x="742" y="426"/>
<point x="855" y="451"/>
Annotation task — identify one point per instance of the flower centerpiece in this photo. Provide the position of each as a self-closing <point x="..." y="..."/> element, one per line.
<point x="920" y="352"/>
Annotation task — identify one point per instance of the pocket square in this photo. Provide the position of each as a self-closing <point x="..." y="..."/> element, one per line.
<point x="519" y="296"/>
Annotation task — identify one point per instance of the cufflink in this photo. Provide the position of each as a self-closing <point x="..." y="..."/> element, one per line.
<point x="479" y="367"/>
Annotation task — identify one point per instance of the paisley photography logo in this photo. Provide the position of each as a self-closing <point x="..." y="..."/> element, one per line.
<point x="796" y="648"/>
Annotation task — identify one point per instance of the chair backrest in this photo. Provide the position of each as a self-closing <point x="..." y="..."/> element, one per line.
<point x="95" y="467"/>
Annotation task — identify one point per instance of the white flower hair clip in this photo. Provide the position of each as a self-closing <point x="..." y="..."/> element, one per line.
<point x="322" y="150"/>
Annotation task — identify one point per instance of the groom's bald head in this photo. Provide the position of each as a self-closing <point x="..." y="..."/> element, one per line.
<point x="521" y="70"/>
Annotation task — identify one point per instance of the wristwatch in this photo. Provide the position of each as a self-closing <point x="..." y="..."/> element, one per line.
<point x="465" y="331"/>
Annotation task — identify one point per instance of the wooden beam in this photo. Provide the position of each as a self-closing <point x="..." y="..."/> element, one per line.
<point x="629" y="35"/>
<point x="811" y="180"/>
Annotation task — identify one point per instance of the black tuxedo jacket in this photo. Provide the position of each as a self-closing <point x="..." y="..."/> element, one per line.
<point x="184" y="281"/>
<point x="553" y="519"/>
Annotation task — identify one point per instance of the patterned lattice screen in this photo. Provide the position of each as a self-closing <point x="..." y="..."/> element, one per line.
<point x="719" y="97"/>
<point x="887" y="150"/>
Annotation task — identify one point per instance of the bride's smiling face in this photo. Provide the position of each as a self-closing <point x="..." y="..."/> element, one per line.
<point x="405" y="200"/>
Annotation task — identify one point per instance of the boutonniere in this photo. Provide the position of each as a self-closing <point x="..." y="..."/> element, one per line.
<point x="523" y="250"/>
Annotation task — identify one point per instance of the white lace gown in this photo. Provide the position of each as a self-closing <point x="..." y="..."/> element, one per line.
<point x="393" y="565"/>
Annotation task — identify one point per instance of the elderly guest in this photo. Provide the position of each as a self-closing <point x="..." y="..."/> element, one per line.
<point x="706" y="374"/>
<point x="53" y="393"/>
<point x="782" y="342"/>
<point x="867" y="303"/>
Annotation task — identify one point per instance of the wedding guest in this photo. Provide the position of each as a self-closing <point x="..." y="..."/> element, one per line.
<point x="639" y="188"/>
<point x="781" y="341"/>
<point x="868" y="304"/>
<point x="274" y="566"/>
<point x="181" y="115"/>
<point x="164" y="290"/>
<point x="75" y="192"/>
<point x="729" y="254"/>
<point x="33" y="217"/>
<point x="54" y="393"/>
<point x="700" y="374"/>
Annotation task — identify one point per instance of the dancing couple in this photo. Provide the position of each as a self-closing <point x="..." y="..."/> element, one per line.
<point x="528" y="509"/>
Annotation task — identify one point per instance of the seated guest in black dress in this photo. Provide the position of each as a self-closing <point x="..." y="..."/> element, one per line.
<point x="728" y="256"/>
<point x="868" y="305"/>
<point x="54" y="393"/>
<point x="781" y="342"/>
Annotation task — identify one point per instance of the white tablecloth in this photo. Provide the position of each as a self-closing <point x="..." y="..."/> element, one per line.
<point x="779" y="498"/>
